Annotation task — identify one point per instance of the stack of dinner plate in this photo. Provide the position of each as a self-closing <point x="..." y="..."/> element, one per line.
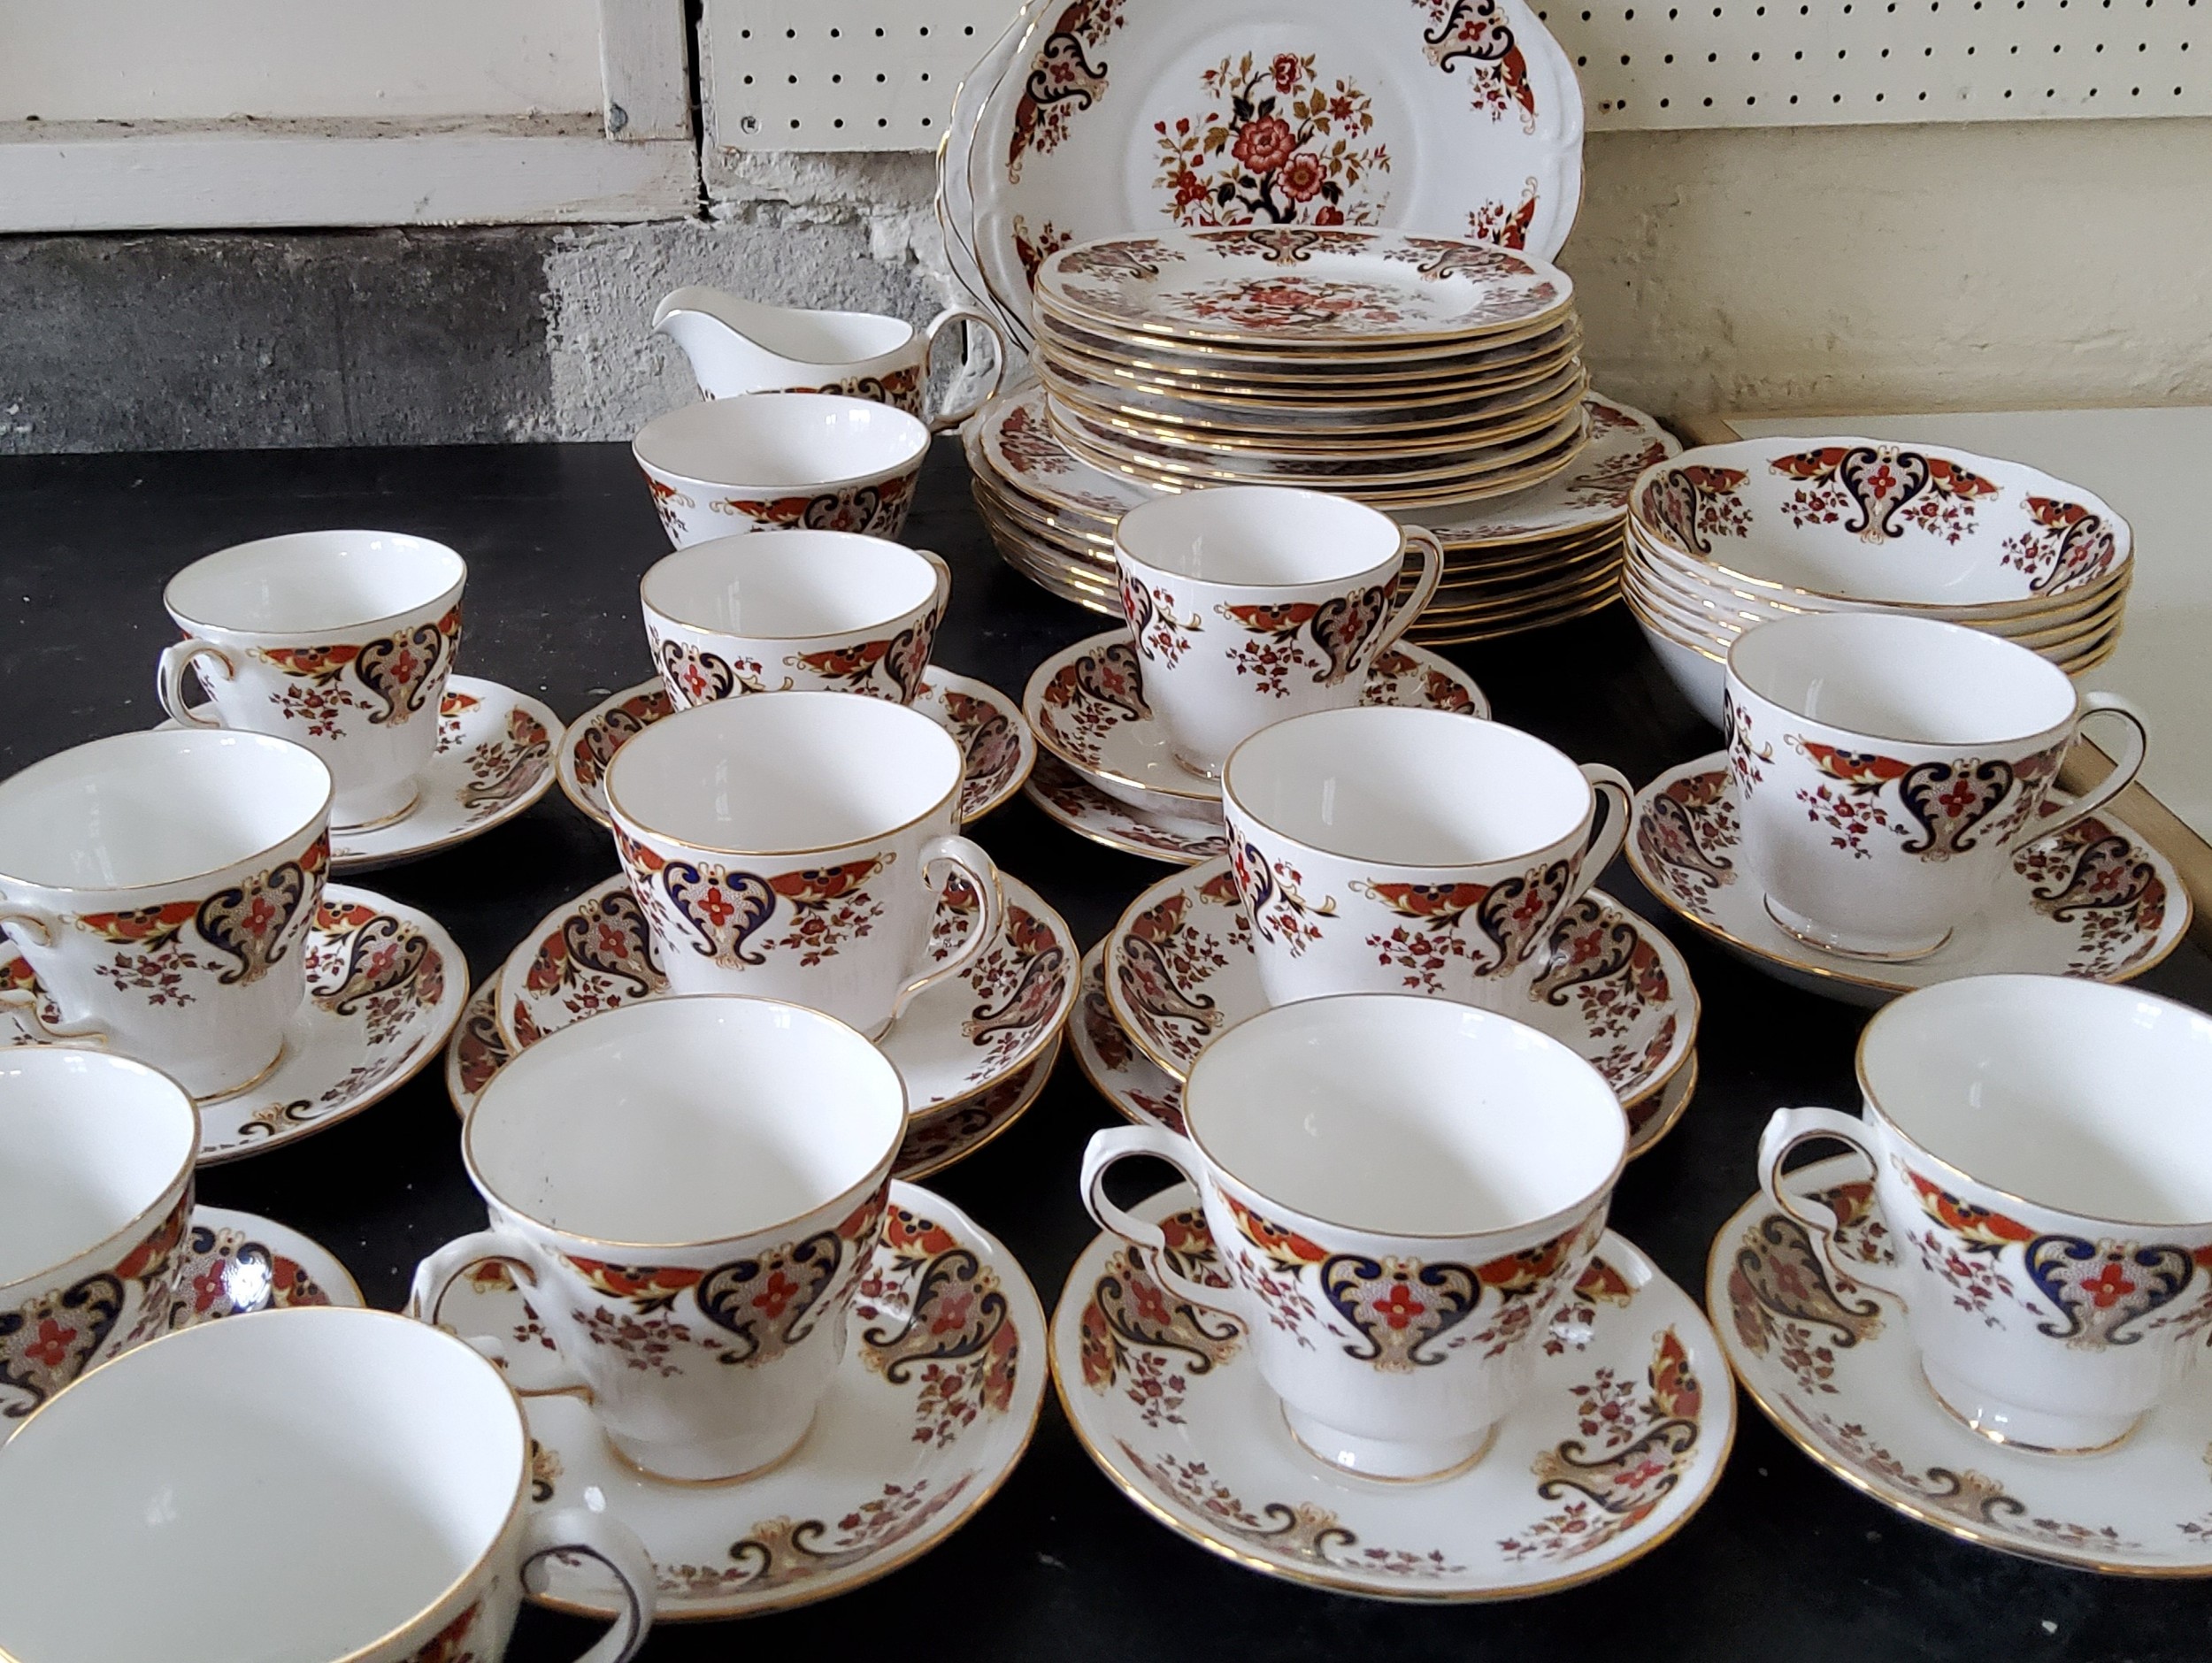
<point x="1413" y="373"/>
<point x="1725" y="537"/>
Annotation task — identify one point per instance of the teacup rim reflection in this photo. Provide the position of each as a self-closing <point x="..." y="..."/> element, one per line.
<point x="347" y="1316"/>
<point x="551" y="1052"/>
<point x="1405" y="715"/>
<point x="443" y="600"/>
<point x="226" y="737"/>
<point x="1430" y="1009"/>
<point x="1968" y="639"/>
<point x="133" y="1230"/>
<point x="668" y="421"/>
<point x="669" y="725"/>
<point x="765" y="542"/>
<point x="1964" y="987"/>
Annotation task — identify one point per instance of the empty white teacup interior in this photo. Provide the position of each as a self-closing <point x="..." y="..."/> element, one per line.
<point x="782" y="440"/>
<point x="139" y="809"/>
<point x="687" y="1120"/>
<point x="1408" y="787"/>
<point x="87" y="1144"/>
<point x="310" y="582"/>
<point x="1909" y="679"/>
<point x="784" y="773"/>
<point x="377" y="1458"/>
<point x="1404" y="1115"/>
<point x="789" y="585"/>
<point x="2081" y="1097"/>
<point x="1257" y="534"/>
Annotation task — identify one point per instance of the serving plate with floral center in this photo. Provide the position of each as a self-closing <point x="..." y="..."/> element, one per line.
<point x="1621" y="1436"/>
<point x="933" y="1403"/>
<point x="1179" y="969"/>
<point x="2096" y="900"/>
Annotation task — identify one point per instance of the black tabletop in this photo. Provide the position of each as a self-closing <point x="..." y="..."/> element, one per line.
<point x="1784" y="1562"/>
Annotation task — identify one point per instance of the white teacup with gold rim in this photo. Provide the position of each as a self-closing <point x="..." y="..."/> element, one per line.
<point x="1400" y="1188"/>
<point x="97" y="1157"/>
<point x="770" y="461"/>
<point x="158" y="883"/>
<point x="787" y="845"/>
<point x="341" y="641"/>
<point x="1369" y="839"/>
<point x="387" y="1464"/>
<point x="794" y="610"/>
<point x="2041" y="1149"/>
<point x="1249" y="604"/>
<point x="689" y="1188"/>
<point x="1890" y="768"/>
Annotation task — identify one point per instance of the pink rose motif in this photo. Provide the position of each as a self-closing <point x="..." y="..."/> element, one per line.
<point x="1303" y="176"/>
<point x="1265" y="145"/>
<point x="1330" y="215"/>
<point x="1287" y="71"/>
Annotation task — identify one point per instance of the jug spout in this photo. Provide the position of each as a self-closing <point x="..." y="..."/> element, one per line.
<point x="737" y="345"/>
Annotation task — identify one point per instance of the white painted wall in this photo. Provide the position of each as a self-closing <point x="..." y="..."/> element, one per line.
<point x="171" y="60"/>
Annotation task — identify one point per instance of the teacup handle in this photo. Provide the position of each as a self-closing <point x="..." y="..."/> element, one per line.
<point x="943" y="594"/>
<point x="2112" y="784"/>
<point x="435" y="1278"/>
<point x="1406" y="605"/>
<point x="614" y="1544"/>
<point x="1619" y="798"/>
<point x="1118" y="1143"/>
<point x="967" y="314"/>
<point x="169" y="681"/>
<point x="44" y="928"/>
<point x="967" y="855"/>
<point x="1786" y="1130"/>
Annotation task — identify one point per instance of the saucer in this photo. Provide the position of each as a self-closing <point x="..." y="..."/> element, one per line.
<point x="964" y="1037"/>
<point x="932" y="1142"/>
<point x="997" y="743"/>
<point x="1086" y="704"/>
<point x="1622" y="1435"/>
<point x="1180" y="839"/>
<point x="1148" y="1094"/>
<point x="1834" y="1368"/>
<point x="237" y="1263"/>
<point x="2096" y="900"/>
<point x="385" y="986"/>
<point x="935" y="1399"/>
<point x="495" y="758"/>
<point x="1179" y="969"/>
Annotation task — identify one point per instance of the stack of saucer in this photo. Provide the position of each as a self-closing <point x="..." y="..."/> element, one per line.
<point x="1729" y="536"/>
<point x="1538" y="556"/>
<point x="1409" y="372"/>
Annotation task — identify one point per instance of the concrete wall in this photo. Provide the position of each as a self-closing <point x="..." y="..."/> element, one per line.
<point x="1971" y="265"/>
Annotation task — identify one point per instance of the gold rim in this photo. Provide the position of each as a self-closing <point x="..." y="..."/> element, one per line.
<point x="1262" y="367"/>
<point x="1412" y="499"/>
<point x="1041" y="1076"/>
<point x="1785" y="1423"/>
<point x="1582" y="587"/>
<point x="893" y="1562"/>
<point x="1346" y="1585"/>
<point x="2179" y="906"/>
<point x="368" y="629"/>
<point x="1230" y="396"/>
<point x="1516" y="626"/>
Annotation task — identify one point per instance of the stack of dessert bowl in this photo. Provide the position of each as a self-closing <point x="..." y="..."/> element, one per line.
<point x="1725" y="537"/>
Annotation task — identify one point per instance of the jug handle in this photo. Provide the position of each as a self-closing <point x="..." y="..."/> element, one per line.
<point x="967" y="314"/>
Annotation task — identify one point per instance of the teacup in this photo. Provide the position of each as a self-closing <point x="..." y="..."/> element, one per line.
<point x="1252" y="603"/>
<point x="788" y="845"/>
<point x="690" y="1187"/>
<point x="341" y="641"/>
<point x="1889" y="768"/>
<point x="775" y="461"/>
<point x="738" y="346"/>
<point x="97" y="1157"/>
<point x="387" y="1465"/>
<point x="1401" y="1189"/>
<point x="2053" y="1323"/>
<point x="1386" y="850"/>
<point x="159" y="884"/>
<point x="815" y="611"/>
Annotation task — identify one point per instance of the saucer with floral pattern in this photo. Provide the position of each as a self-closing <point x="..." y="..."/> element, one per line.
<point x="1622" y="1436"/>
<point x="1180" y="839"/>
<point x="935" y="1398"/>
<point x="238" y="1263"/>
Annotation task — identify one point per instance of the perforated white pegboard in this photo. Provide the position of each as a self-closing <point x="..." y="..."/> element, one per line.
<point x="880" y="74"/>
